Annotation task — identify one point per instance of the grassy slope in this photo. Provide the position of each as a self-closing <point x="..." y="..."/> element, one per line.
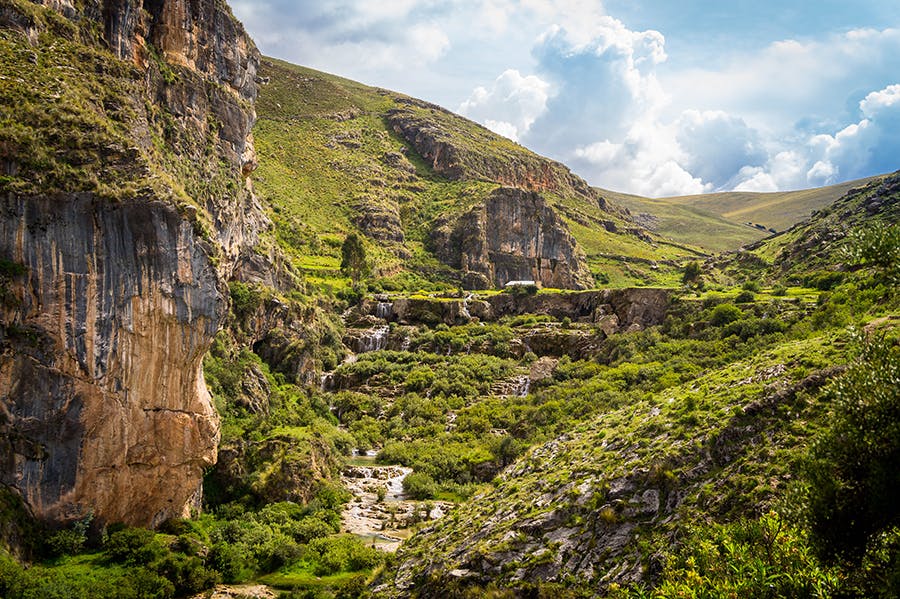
<point x="689" y="224"/>
<point x="723" y="443"/>
<point x="778" y="210"/>
<point x="327" y="157"/>
<point x="718" y="222"/>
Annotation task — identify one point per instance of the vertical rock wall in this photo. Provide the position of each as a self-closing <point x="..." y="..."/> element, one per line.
<point x="514" y="236"/>
<point x="103" y="406"/>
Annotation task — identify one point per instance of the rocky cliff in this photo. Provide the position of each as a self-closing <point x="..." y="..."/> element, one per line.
<point x="513" y="236"/>
<point x="459" y="149"/>
<point x="115" y="249"/>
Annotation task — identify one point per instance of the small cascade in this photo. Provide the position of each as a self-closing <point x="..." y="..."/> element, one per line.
<point x="512" y="387"/>
<point x="464" y="310"/>
<point x="384" y="310"/>
<point x="374" y="339"/>
<point x="523" y="384"/>
<point x="395" y="487"/>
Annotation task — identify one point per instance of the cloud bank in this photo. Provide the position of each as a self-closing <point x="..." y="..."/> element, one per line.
<point x="569" y="80"/>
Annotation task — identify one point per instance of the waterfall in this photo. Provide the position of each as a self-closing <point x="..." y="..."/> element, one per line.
<point x="384" y="310"/>
<point x="523" y="384"/>
<point x="374" y="339"/>
<point x="464" y="310"/>
<point x="326" y="382"/>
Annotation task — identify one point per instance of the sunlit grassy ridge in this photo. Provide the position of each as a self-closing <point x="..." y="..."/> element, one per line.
<point x="688" y="224"/>
<point x="777" y="210"/>
<point x="331" y="163"/>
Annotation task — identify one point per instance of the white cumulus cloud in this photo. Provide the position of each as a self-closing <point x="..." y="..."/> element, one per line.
<point x="510" y="106"/>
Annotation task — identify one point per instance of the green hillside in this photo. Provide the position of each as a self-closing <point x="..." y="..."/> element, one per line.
<point x="777" y="210"/>
<point x="332" y="162"/>
<point x="726" y="221"/>
<point x="687" y="224"/>
<point x="695" y="425"/>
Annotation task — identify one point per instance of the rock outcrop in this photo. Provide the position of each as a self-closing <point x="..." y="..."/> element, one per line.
<point x="441" y="142"/>
<point x="619" y="308"/>
<point x="513" y="236"/>
<point x="109" y="304"/>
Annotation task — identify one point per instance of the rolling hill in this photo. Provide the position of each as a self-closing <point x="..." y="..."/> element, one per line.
<point x="725" y="221"/>
<point x="777" y="210"/>
<point x="423" y="185"/>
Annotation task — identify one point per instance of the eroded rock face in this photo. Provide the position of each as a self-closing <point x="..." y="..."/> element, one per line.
<point x="103" y="404"/>
<point x="442" y="151"/>
<point x="514" y="236"/>
<point x="618" y="309"/>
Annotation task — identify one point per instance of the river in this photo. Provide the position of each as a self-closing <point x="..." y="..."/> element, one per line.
<point x="387" y="520"/>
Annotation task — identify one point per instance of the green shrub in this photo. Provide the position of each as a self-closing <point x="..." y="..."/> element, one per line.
<point x="823" y="280"/>
<point x="691" y="272"/>
<point x="853" y="474"/>
<point x="749" y="558"/>
<point x="341" y="554"/>
<point x="70" y="541"/>
<point x="420" y="486"/>
<point x="245" y="298"/>
<point x="133" y="546"/>
<point x="744" y="297"/>
<point x="724" y="313"/>
<point x="877" y="245"/>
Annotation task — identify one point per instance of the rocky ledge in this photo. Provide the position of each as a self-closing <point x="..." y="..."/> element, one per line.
<point x="513" y="236"/>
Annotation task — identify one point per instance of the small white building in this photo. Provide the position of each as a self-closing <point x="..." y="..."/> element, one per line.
<point x="520" y="284"/>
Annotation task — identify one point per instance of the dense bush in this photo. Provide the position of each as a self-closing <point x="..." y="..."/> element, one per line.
<point x="723" y="314"/>
<point x="341" y="554"/>
<point x="853" y="474"/>
<point x="876" y="245"/>
<point x="419" y="485"/>
<point x="751" y="558"/>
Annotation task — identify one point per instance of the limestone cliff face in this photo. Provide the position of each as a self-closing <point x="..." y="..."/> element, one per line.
<point x="514" y="235"/>
<point x="208" y="90"/>
<point x="103" y="406"/>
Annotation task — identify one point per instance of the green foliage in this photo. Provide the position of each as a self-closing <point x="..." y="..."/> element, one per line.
<point x="353" y="258"/>
<point x="246" y="299"/>
<point x="876" y="245"/>
<point x="824" y="280"/>
<point x="853" y="476"/>
<point x="521" y="289"/>
<point x="341" y="554"/>
<point x="692" y="272"/>
<point x="80" y="581"/>
<point x="70" y="541"/>
<point x="744" y="297"/>
<point x="724" y="314"/>
<point x="750" y="558"/>
<point x="420" y="485"/>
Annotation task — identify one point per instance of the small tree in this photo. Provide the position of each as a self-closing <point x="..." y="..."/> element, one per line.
<point x="353" y="258"/>
<point x="691" y="272"/>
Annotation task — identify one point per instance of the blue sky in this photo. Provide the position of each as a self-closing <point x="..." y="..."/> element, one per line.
<point x="645" y="96"/>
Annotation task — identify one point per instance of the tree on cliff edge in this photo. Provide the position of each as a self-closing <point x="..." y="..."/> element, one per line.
<point x="353" y="258"/>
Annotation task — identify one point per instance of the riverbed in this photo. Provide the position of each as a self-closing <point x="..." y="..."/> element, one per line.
<point x="385" y="518"/>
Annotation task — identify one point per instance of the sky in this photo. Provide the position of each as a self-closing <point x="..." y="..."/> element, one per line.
<point x="652" y="97"/>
